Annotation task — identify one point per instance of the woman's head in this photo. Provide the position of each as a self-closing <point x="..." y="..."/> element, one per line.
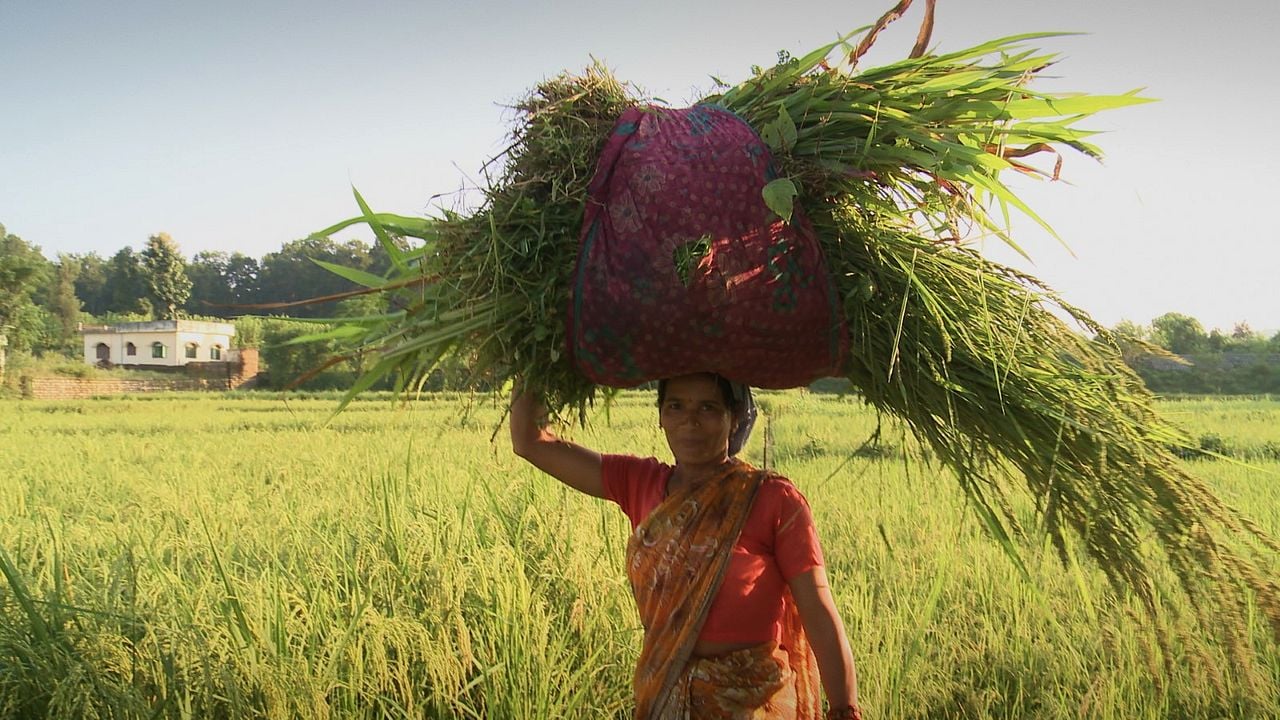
<point x="724" y="386"/>
<point x="704" y="416"/>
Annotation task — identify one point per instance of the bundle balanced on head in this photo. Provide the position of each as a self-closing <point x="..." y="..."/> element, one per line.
<point x="686" y="275"/>
<point x="724" y="562"/>
<point x="810" y="221"/>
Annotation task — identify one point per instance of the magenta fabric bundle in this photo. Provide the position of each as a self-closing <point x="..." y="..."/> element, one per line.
<point x="683" y="268"/>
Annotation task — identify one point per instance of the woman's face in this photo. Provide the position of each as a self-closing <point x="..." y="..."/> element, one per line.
<point x="696" y="419"/>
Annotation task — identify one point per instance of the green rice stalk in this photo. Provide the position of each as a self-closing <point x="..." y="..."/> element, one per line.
<point x="971" y="354"/>
<point x="894" y="165"/>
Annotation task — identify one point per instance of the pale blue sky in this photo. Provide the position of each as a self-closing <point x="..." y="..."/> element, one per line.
<point x="238" y="126"/>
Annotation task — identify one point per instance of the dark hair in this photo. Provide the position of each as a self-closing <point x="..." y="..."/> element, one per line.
<point x="726" y="392"/>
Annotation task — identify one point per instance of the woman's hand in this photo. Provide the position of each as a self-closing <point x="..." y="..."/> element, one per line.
<point x="574" y="465"/>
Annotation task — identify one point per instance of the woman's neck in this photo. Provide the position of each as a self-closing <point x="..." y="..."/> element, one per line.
<point x="688" y="474"/>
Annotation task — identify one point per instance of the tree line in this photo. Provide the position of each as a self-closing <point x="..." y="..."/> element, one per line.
<point x="43" y="301"/>
<point x="1175" y="354"/>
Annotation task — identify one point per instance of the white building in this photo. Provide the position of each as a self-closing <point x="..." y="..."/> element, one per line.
<point x="165" y="343"/>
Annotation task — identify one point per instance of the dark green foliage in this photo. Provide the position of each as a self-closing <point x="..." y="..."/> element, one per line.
<point x="1243" y="362"/>
<point x="284" y="362"/>
<point x="292" y="273"/>
<point x="220" y="281"/>
<point x="65" y="305"/>
<point x="92" y="283"/>
<point x="128" y="291"/>
<point x="23" y="271"/>
<point x="1212" y="374"/>
<point x="1180" y="334"/>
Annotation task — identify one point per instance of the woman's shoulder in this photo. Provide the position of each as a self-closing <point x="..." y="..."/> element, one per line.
<point x="778" y="490"/>
<point x="633" y="467"/>
<point x="636" y="484"/>
<point x="623" y="460"/>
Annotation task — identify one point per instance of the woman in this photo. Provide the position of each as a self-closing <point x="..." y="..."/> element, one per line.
<point x="723" y="561"/>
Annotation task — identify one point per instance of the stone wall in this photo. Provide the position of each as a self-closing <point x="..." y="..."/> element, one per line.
<point x="70" y="388"/>
<point x="240" y="372"/>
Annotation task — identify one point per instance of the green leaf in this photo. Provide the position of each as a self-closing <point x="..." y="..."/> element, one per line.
<point x="1071" y="105"/>
<point x="422" y="228"/>
<point x="393" y="250"/>
<point x="341" y="332"/>
<point x="951" y="81"/>
<point x="779" y="134"/>
<point x="380" y="370"/>
<point x="39" y="628"/>
<point x="787" y="128"/>
<point x="780" y="196"/>
<point x="359" y="277"/>
<point x="771" y="134"/>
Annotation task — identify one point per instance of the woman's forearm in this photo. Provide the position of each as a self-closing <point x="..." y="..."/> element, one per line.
<point x="574" y="465"/>
<point x="526" y="414"/>
<point x="835" y="661"/>
<point x="826" y="633"/>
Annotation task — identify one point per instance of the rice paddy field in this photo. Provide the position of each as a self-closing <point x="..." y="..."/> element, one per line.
<point x="244" y="556"/>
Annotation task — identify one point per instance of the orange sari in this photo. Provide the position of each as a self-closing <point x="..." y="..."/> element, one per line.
<point x="676" y="560"/>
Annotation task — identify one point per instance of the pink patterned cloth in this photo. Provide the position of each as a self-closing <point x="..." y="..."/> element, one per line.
<point x="683" y="268"/>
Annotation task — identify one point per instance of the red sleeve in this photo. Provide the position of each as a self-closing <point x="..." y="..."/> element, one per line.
<point x="795" y="545"/>
<point x="631" y="482"/>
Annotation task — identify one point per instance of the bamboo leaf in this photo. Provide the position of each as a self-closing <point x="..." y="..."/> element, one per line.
<point x="422" y="228"/>
<point x="359" y="277"/>
<point x="380" y="231"/>
<point x="341" y="332"/>
<point x="1074" y="105"/>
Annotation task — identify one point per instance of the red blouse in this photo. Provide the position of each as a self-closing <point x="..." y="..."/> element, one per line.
<point x="777" y="543"/>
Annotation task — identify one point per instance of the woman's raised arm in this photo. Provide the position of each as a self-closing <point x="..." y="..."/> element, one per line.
<point x="574" y="465"/>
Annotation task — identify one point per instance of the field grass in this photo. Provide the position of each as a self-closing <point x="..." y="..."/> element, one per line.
<point x="235" y="556"/>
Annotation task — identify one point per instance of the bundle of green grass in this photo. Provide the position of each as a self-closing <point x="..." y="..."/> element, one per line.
<point x="893" y="166"/>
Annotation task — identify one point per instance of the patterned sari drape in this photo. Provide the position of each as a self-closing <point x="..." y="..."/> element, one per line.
<point x="676" y="560"/>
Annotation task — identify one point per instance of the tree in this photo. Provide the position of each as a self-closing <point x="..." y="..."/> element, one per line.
<point x="1246" y="339"/>
<point x="127" y="284"/>
<point x="1131" y="338"/>
<point x="165" y="272"/>
<point x="23" y="271"/>
<point x="92" y="283"/>
<point x="209" y="289"/>
<point x="287" y="364"/>
<point x="1178" y="333"/>
<point x="1130" y="330"/>
<point x="220" y="281"/>
<point x="63" y="302"/>
<point x="242" y="273"/>
<point x="291" y="274"/>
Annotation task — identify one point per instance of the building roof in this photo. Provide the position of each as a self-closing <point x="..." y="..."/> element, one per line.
<point x="162" y="326"/>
